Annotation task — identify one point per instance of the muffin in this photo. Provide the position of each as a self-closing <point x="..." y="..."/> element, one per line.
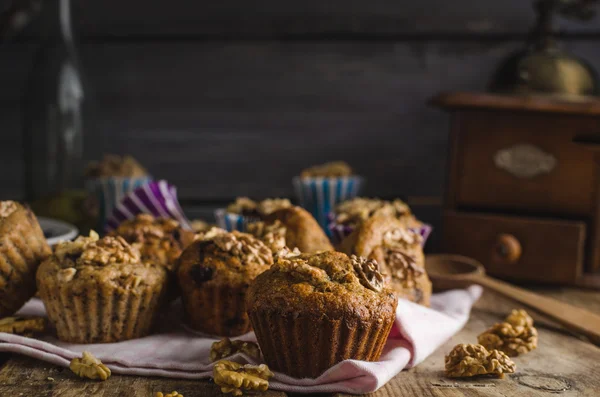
<point x="161" y="240"/>
<point x="399" y="252"/>
<point x="22" y="248"/>
<point x="312" y="311"/>
<point x="111" y="179"/>
<point x="99" y="290"/>
<point x="302" y="230"/>
<point x="320" y="188"/>
<point x="239" y="214"/>
<point x="214" y="274"/>
<point x="349" y="214"/>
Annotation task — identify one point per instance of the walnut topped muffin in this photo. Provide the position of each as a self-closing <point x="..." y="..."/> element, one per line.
<point x="99" y="290"/>
<point x="160" y="240"/>
<point x="399" y="252"/>
<point x="357" y="210"/>
<point x="333" y="169"/>
<point x="214" y="274"/>
<point x="22" y="248"/>
<point x="116" y="166"/>
<point x="312" y="311"/>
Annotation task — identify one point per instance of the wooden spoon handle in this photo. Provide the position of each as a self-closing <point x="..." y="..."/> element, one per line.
<point x="573" y="318"/>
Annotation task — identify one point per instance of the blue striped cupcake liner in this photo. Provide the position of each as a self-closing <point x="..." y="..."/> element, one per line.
<point x="320" y="195"/>
<point x="230" y="221"/>
<point x="110" y="191"/>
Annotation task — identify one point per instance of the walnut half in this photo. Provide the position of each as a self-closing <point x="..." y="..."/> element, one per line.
<point x="467" y="360"/>
<point x="89" y="367"/>
<point x="515" y="336"/>
<point x="368" y="273"/>
<point x="234" y="378"/>
<point x="227" y="347"/>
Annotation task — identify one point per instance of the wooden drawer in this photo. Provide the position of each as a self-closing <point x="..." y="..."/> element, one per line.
<point x="523" y="161"/>
<point x="518" y="248"/>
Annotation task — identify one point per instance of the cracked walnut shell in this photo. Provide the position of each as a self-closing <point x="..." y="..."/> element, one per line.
<point x="234" y="378"/>
<point x="89" y="367"/>
<point x="467" y="360"/>
<point x="227" y="347"/>
<point x="515" y="336"/>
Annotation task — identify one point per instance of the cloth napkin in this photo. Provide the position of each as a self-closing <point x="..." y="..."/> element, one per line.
<point x="177" y="352"/>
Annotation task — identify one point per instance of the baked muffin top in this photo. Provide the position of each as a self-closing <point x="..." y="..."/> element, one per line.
<point x="160" y="240"/>
<point x="107" y="261"/>
<point x="248" y="207"/>
<point x="334" y="169"/>
<point x="328" y="284"/>
<point x="272" y="234"/>
<point x="302" y="229"/>
<point x="353" y="212"/>
<point x="219" y="257"/>
<point x="115" y="166"/>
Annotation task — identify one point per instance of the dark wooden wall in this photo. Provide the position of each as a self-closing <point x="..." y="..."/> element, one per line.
<point x="233" y="97"/>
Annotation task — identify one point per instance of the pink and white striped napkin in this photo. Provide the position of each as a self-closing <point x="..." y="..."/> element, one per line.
<point x="178" y="353"/>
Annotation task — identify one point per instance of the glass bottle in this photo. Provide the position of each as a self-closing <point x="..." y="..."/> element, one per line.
<point x="53" y="109"/>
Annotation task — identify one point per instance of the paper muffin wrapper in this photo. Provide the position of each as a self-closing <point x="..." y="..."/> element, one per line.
<point x="217" y="310"/>
<point x="338" y="232"/>
<point x="230" y="221"/>
<point x="158" y="198"/>
<point x="110" y="191"/>
<point x="100" y="313"/>
<point x="320" y="195"/>
<point x="304" y="347"/>
<point x="21" y="249"/>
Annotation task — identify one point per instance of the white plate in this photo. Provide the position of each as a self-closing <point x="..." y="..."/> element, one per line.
<point x="56" y="231"/>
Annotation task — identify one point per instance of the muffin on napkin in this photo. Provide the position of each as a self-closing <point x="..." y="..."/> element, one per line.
<point x="99" y="290"/>
<point x="112" y="179"/>
<point x="244" y="211"/>
<point x="22" y="248"/>
<point x="312" y="311"/>
<point x="320" y="188"/>
<point x="349" y="214"/>
<point x="399" y="252"/>
<point x="214" y="274"/>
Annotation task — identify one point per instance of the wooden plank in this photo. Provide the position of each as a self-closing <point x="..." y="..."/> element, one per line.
<point x="33" y="378"/>
<point x="272" y="18"/>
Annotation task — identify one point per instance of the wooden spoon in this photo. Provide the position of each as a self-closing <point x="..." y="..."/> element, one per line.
<point x="455" y="271"/>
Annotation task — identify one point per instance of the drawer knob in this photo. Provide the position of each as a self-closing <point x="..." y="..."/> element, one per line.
<point x="507" y="249"/>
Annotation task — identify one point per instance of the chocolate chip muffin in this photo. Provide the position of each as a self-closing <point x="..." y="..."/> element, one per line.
<point x="98" y="290"/>
<point x="22" y="248"/>
<point x="302" y="230"/>
<point x="214" y="274"/>
<point x="399" y="252"/>
<point x="160" y="240"/>
<point x="312" y="311"/>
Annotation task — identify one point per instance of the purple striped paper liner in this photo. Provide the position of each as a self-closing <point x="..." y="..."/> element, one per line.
<point x="230" y="221"/>
<point x="320" y="195"/>
<point x="338" y="232"/>
<point x="158" y="198"/>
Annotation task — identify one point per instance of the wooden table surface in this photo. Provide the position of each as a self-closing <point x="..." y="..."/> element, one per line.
<point x="562" y="365"/>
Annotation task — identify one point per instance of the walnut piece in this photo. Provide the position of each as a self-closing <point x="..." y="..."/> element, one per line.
<point x="89" y="367"/>
<point x="74" y="248"/>
<point x="299" y="268"/>
<point x="7" y="207"/>
<point x="354" y="211"/>
<point x="368" y="273"/>
<point x="467" y="360"/>
<point x="242" y="205"/>
<point x="172" y="394"/>
<point x="66" y="275"/>
<point x="109" y="250"/>
<point x="234" y="378"/>
<point x="268" y="206"/>
<point x="25" y="326"/>
<point x="332" y="169"/>
<point x="227" y="347"/>
<point x="273" y="235"/>
<point x="515" y="336"/>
